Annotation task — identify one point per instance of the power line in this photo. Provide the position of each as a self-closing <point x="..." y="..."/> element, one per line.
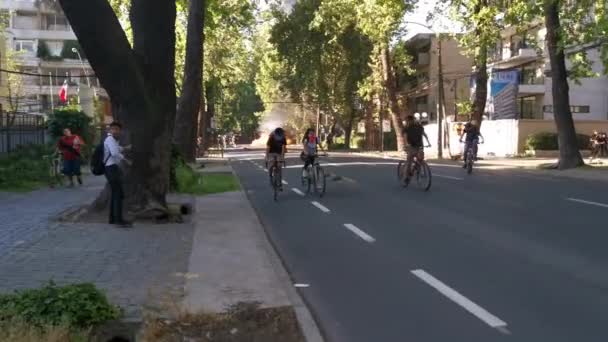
<point x="41" y="75"/>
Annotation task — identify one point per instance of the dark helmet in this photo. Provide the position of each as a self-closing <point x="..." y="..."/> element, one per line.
<point x="279" y="132"/>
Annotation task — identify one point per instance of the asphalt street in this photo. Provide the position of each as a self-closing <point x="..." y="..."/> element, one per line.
<point x="493" y="256"/>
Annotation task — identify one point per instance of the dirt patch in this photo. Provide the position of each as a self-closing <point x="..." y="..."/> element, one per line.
<point x="242" y="322"/>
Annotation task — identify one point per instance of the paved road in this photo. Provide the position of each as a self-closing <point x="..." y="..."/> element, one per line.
<point x="495" y="256"/>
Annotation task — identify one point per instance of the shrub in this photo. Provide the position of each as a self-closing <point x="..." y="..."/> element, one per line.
<point x="73" y="118"/>
<point x="546" y="141"/>
<point x="25" y="168"/>
<point x="77" y="305"/>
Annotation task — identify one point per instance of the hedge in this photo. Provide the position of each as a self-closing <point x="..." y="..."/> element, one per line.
<point x="546" y="141"/>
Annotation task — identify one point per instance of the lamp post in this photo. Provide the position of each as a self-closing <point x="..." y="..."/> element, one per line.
<point x="440" y="90"/>
<point x="75" y="50"/>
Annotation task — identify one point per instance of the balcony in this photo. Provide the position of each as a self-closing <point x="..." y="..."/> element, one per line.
<point x="517" y="57"/>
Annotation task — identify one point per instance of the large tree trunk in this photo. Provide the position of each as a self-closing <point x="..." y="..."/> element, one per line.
<point x="141" y="86"/>
<point x="348" y="129"/>
<point x="569" y="154"/>
<point x="185" y="133"/>
<point x="391" y="90"/>
<point x="369" y="126"/>
<point x="481" y="75"/>
<point x="210" y="113"/>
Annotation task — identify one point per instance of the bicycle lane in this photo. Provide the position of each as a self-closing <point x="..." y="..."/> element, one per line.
<point x="529" y="284"/>
<point x="357" y="294"/>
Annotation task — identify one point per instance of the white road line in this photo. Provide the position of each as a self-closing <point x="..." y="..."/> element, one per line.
<point x="297" y="191"/>
<point x="587" y="202"/>
<point x="320" y="206"/>
<point x="448" y="177"/>
<point x="359" y="232"/>
<point x="461" y="300"/>
<point x="284" y="182"/>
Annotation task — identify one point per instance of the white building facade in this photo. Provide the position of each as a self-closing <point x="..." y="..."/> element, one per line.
<point x="520" y="60"/>
<point x="48" y="54"/>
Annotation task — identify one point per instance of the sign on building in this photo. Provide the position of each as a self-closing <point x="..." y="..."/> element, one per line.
<point x="504" y="86"/>
<point x="386" y="125"/>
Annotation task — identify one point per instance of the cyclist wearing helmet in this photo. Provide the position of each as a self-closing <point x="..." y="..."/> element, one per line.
<point x="309" y="151"/>
<point x="276" y="147"/>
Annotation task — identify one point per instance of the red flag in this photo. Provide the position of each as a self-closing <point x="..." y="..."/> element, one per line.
<point x="63" y="92"/>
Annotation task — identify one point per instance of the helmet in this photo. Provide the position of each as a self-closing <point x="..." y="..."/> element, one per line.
<point x="279" y="132"/>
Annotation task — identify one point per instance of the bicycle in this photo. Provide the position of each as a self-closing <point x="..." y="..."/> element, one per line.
<point x="276" y="178"/>
<point x="315" y="177"/>
<point x="469" y="158"/>
<point x="421" y="172"/>
<point x="55" y="162"/>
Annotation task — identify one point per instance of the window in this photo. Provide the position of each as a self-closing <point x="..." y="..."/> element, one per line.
<point x="54" y="47"/>
<point x="532" y="74"/>
<point x="574" y="109"/>
<point x="527" y="107"/>
<point x="26" y="21"/>
<point x="26" y="46"/>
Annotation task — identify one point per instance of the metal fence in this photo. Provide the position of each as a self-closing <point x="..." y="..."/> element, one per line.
<point x="20" y="129"/>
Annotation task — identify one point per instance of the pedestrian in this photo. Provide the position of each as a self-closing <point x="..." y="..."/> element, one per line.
<point x="70" y="146"/>
<point x="113" y="157"/>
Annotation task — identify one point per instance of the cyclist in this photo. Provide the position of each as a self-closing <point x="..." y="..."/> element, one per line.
<point x="309" y="149"/>
<point x="471" y="129"/>
<point x="413" y="131"/>
<point x="276" y="147"/>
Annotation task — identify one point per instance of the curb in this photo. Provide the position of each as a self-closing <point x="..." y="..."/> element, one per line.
<point x="305" y="318"/>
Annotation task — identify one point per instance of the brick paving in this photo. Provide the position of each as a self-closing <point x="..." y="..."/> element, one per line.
<point x="137" y="267"/>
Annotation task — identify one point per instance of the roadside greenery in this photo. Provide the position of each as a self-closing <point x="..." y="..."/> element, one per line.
<point x="25" y="169"/>
<point x="76" y="306"/>
<point x="546" y="141"/>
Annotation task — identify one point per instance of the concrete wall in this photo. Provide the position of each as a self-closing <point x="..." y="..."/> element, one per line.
<point x="506" y="138"/>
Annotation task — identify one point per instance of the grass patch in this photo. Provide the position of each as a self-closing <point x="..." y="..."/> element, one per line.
<point x="192" y="182"/>
<point x="18" y="331"/>
<point x="25" y="169"/>
<point x="243" y="322"/>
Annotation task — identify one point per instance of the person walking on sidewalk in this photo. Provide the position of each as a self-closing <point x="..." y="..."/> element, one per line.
<point x="112" y="158"/>
<point x="69" y="145"/>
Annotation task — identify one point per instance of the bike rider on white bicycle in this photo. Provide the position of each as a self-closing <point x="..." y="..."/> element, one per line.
<point x="310" y="144"/>
<point x="471" y="129"/>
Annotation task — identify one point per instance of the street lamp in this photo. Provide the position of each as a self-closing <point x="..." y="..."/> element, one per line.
<point x="75" y="50"/>
<point x="440" y="90"/>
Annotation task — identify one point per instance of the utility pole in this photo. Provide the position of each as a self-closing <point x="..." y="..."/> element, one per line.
<point x="440" y="100"/>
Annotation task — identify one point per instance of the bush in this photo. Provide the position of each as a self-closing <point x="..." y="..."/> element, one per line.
<point x="76" y="305"/>
<point x="25" y="168"/>
<point x="73" y="118"/>
<point x="546" y="141"/>
<point x="78" y="122"/>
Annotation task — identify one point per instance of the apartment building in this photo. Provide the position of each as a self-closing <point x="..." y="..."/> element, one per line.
<point x="47" y="50"/>
<point x="520" y="80"/>
<point x="421" y="90"/>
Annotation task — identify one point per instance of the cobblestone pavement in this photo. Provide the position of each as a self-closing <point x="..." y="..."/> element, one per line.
<point x="136" y="267"/>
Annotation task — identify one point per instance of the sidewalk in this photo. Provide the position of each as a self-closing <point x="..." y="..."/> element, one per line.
<point x="218" y="258"/>
<point x="597" y="172"/>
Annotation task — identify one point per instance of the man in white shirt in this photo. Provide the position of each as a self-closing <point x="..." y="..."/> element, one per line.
<point x="112" y="155"/>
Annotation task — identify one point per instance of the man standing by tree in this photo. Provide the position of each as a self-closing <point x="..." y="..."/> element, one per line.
<point x="69" y="145"/>
<point x="112" y="156"/>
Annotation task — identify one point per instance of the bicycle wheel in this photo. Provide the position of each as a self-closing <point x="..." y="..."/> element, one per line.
<point x="400" y="170"/>
<point x="423" y="176"/>
<point x="320" y="181"/>
<point x="470" y="163"/>
<point x="275" y="179"/>
<point x="309" y="179"/>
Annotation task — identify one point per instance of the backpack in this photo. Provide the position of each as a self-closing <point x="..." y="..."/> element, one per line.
<point x="98" y="165"/>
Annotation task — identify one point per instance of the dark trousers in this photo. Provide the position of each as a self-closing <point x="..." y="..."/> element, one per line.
<point x="114" y="177"/>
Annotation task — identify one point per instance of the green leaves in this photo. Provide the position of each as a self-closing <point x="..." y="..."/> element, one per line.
<point x="77" y="305"/>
